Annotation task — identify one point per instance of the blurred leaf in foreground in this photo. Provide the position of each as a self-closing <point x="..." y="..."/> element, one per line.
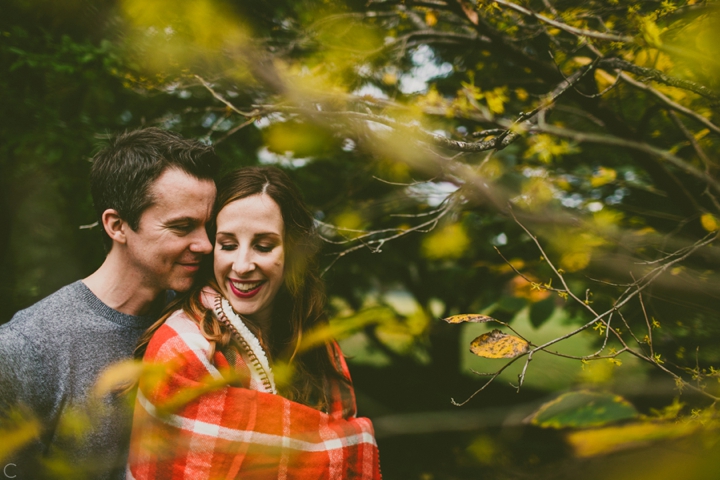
<point x="117" y="377"/>
<point x="588" y="443"/>
<point x="16" y="431"/>
<point x="583" y="409"/>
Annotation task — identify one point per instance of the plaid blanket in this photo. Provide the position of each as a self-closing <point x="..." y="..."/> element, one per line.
<point x="189" y="423"/>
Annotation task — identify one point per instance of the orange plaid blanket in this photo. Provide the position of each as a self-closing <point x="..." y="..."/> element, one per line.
<point x="184" y="426"/>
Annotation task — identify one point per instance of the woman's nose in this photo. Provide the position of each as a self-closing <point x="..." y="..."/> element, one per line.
<point x="244" y="262"/>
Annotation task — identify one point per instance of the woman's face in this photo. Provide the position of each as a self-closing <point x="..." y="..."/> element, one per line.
<point x="250" y="255"/>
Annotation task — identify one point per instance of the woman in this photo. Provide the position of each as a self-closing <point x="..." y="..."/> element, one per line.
<point x="213" y="408"/>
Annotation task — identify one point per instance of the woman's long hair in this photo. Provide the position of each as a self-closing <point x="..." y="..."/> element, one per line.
<point x="299" y="305"/>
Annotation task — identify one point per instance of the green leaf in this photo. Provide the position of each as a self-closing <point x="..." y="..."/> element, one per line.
<point x="583" y="409"/>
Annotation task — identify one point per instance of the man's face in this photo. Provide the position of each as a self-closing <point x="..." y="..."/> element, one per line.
<point x="166" y="249"/>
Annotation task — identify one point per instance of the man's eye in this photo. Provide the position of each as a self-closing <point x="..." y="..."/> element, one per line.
<point x="182" y="228"/>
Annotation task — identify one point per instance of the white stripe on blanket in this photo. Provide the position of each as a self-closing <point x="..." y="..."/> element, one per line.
<point x="248" y="436"/>
<point x="189" y="333"/>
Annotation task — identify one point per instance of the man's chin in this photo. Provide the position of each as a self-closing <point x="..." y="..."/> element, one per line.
<point x="182" y="285"/>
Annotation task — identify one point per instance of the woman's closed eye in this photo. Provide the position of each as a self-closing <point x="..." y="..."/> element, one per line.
<point x="228" y="246"/>
<point x="264" y="248"/>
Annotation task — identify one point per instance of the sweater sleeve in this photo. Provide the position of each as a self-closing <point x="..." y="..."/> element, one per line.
<point x="20" y="368"/>
<point x="22" y="403"/>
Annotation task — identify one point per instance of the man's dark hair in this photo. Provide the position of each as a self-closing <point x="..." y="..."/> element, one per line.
<point x="123" y="171"/>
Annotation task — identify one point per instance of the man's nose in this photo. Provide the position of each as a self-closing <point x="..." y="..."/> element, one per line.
<point x="201" y="243"/>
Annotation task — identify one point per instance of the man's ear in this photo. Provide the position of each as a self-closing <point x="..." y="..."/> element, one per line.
<point x="114" y="225"/>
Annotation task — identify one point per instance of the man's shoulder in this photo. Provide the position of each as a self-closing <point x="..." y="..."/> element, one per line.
<point x="29" y="351"/>
<point x="66" y="299"/>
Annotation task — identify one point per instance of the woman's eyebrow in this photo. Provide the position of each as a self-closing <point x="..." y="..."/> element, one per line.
<point x="267" y="234"/>
<point x="225" y="234"/>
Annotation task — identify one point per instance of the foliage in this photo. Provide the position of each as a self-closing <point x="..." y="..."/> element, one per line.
<point x="490" y="157"/>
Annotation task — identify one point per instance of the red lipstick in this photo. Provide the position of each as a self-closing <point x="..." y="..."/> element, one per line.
<point x="242" y="294"/>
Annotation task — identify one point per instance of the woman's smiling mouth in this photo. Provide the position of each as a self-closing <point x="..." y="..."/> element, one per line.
<point x="245" y="289"/>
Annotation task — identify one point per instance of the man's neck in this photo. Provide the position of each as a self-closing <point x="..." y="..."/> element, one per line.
<point x="116" y="286"/>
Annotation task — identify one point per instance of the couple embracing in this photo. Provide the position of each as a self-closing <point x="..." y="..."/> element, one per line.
<point x="212" y="285"/>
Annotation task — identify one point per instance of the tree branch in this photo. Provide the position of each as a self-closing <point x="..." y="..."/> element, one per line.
<point x="673" y="105"/>
<point x="582" y="137"/>
<point x="658" y="76"/>
<point x="565" y="27"/>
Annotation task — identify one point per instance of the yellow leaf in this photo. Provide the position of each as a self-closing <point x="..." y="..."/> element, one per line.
<point x="431" y="18"/>
<point x="574" y="261"/>
<point x="651" y="32"/>
<point x="606" y="219"/>
<point x="431" y="99"/>
<point x="450" y="241"/>
<point x="505" y="268"/>
<point x="603" y="176"/>
<point x="389" y="79"/>
<point x="603" y="79"/>
<point x="348" y="220"/>
<point x="545" y="147"/>
<point x="524" y="289"/>
<point x="496" y="100"/>
<point x="492" y="169"/>
<point x="497" y="344"/>
<point x="470" y="317"/>
<point x="485" y="450"/>
<point x="341" y="327"/>
<point x="536" y="193"/>
<point x="701" y="134"/>
<point x="582" y="61"/>
<point x="709" y="222"/>
<point x="677" y="94"/>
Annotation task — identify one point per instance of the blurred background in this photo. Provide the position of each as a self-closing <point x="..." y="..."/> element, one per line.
<point x="549" y="164"/>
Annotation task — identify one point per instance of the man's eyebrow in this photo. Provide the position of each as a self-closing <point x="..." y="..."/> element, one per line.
<point x="182" y="220"/>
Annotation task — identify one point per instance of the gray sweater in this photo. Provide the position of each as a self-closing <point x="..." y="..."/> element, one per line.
<point x="50" y="357"/>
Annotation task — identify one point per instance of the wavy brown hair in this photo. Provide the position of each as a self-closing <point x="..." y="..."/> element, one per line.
<point x="299" y="305"/>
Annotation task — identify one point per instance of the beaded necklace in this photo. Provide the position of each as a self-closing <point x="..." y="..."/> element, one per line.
<point x="259" y="364"/>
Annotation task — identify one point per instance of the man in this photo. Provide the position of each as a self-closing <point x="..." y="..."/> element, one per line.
<point x="153" y="192"/>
